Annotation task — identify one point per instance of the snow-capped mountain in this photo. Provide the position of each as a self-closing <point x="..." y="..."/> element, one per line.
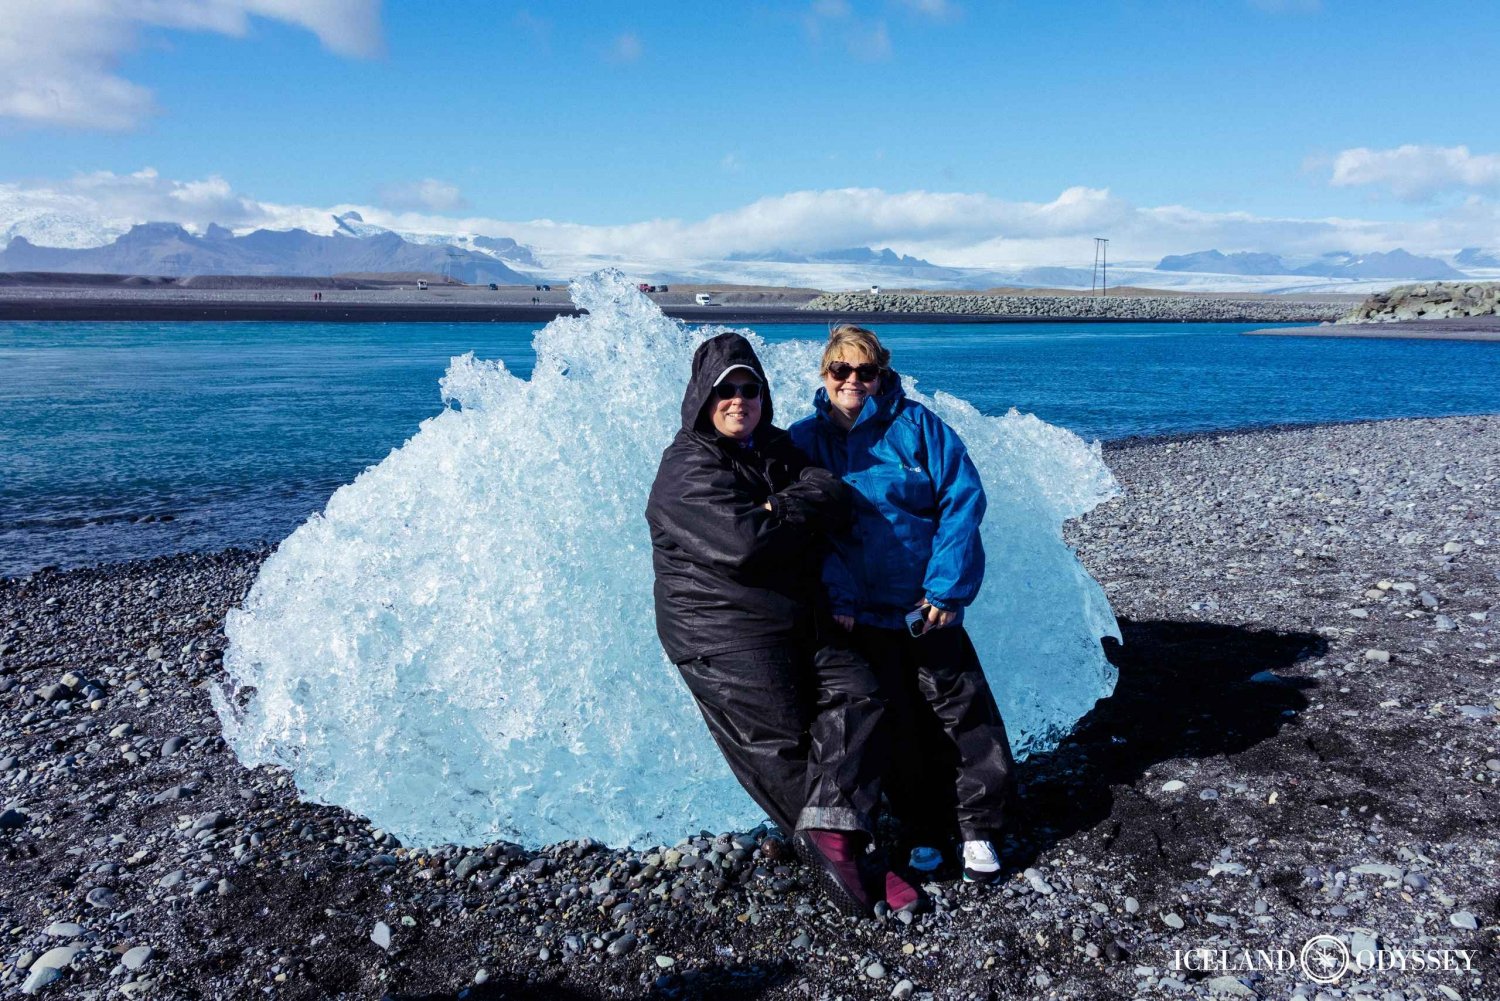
<point x="1395" y="265"/>
<point x="169" y="249"/>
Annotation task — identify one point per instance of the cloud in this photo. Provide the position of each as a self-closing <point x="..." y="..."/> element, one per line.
<point x="429" y="193"/>
<point x="57" y="59"/>
<point x="864" y="39"/>
<point x="938" y="10"/>
<point x="1416" y="173"/>
<point x="956" y="228"/>
<point x="627" y="48"/>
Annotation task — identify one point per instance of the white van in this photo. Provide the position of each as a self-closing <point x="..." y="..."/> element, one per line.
<point x="703" y="299"/>
<point x="421" y="285"/>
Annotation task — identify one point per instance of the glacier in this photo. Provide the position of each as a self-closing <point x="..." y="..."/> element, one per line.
<point x="461" y="646"/>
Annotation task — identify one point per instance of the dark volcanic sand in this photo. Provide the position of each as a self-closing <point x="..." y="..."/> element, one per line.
<point x="1349" y="791"/>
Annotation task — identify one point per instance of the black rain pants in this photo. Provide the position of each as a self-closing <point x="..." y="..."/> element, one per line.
<point x="802" y="732"/>
<point x="951" y="766"/>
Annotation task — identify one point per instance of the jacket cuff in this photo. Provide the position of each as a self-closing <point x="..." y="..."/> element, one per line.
<point x="945" y="605"/>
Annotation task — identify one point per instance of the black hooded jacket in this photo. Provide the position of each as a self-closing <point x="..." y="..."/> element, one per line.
<point x="731" y="575"/>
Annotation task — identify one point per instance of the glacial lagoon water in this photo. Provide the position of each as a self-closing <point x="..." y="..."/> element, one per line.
<point x="128" y="440"/>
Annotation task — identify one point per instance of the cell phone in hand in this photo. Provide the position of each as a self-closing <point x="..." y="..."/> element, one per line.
<point x="916" y="621"/>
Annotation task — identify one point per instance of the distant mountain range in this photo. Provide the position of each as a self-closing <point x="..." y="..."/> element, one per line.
<point x="1473" y="257"/>
<point x="1396" y="264"/>
<point x="851" y="255"/>
<point x="169" y="249"/>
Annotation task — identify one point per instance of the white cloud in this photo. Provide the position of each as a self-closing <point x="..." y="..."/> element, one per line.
<point x="627" y="48"/>
<point x="429" y="193"/>
<point x="58" y="57"/>
<point x="869" y="40"/>
<point x="938" y="10"/>
<point x="1415" y="173"/>
<point x="955" y="228"/>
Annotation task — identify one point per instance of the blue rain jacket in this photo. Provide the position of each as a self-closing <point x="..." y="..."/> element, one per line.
<point x="918" y="503"/>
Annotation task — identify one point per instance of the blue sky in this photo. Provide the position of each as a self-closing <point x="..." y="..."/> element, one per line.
<point x="608" y="115"/>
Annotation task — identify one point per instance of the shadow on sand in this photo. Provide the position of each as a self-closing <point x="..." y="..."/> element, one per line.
<point x="1186" y="690"/>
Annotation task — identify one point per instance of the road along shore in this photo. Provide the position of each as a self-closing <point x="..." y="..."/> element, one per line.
<point x="1302" y="743"/>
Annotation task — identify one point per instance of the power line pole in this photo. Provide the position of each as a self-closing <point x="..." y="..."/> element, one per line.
<point x="1101" y="266"/>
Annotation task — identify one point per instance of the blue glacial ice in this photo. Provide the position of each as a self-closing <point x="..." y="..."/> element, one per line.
<point x="461" y="647"/>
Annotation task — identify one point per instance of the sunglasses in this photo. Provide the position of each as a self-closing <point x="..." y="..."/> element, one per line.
<point x="868" y="372"/>
<point x="729" y="390"/>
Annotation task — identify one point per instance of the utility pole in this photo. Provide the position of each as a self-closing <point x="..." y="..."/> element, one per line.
<point x="1101" y="266"/>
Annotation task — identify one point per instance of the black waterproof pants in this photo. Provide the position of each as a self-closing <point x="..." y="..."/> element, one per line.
<point x="951" y="765"/>
<point x="802" y="732"/>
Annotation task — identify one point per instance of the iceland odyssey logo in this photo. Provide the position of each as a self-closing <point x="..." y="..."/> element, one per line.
<point x="1323" y="959"/>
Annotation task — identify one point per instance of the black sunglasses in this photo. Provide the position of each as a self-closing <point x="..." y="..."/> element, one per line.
<point x="729" y="390"/>
<point x="868" y="372"/>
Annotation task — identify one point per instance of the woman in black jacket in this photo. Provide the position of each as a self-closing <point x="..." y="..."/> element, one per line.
<point x="737" y="521"/>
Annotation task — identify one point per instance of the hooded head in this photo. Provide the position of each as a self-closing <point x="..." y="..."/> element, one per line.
<point x="711" y="364"/>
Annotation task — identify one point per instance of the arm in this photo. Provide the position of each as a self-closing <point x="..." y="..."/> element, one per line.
<point x="956" y="568"/>
<point x="710" y="516"/>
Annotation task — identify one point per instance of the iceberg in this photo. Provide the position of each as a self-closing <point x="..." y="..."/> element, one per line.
<point x="461" y="647"/>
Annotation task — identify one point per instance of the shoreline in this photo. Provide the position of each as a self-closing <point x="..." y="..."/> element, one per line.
<point x="1473" y="328"/>
<point x="89" y="310"/>
<point x="1110" y="446"/>
<point x="1301" y="743"/>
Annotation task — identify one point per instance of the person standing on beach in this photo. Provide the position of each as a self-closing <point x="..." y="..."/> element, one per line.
<point x="898" y="582"/>
<point x="737" y="520"/>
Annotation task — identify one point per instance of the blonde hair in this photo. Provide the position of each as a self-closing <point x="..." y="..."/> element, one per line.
<point x="847" y="336"/>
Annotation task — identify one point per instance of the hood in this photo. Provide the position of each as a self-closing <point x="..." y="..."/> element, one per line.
<point x="709" y="361"/>
<point x="882" y="406"/>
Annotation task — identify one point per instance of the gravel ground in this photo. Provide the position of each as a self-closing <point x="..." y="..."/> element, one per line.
<point x="1303" y="743"/>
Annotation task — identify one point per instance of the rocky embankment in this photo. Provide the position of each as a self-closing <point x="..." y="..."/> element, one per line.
<point x="1303" y="742"/>
<point x="1428" y="301"/>
<point x="1193" y="309"/>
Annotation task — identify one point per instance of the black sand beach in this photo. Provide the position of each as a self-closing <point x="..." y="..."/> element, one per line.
<point x="1302" y="743"/>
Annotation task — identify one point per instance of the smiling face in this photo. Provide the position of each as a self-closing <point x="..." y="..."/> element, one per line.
<point x="849" y="393"/>
<point x="737" y="416"/>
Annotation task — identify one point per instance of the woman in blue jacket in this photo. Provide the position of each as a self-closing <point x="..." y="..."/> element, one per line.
<point x="899" y="581"/>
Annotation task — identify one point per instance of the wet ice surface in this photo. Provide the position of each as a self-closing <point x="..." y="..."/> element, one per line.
<point x="462" y="646"/>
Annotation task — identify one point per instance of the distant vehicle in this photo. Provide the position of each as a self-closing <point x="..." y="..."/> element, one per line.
<point x="662" y="288"/>
<point x="421" y="285"/>
<point x="651" y="288"/>
<point x="544" y="288"/>
<point x="494" y="287"/>
<point x="874" y="289"/>
<point x="703" y="299"/>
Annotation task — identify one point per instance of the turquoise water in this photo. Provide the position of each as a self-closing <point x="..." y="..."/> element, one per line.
<point x="125" y="440"/>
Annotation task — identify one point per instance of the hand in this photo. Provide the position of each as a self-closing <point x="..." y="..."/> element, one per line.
<point x="937" y="618"/>
<point x="767" y="505"/>
<point x="846" y="622"/>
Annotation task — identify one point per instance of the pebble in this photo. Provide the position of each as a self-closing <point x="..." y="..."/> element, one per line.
<point x="39" y="978"/>
<point x="381" y="936"/>
<point x="903" y="989"/>
<point x="875" y="971"/>
<point x="137" y="957"/>
<point x="171" y="879"/>
<point x="665" y="962"/>
<point x="173" y="745"/>
<point x="622" y="945"/>
<point x="1379" y="656"/>
<point x="64" y="929"/>
<point x="1173" y="921"/>
<point x="103" y="899"/>
<point x="1132" y="905"/>
<point x="1175" y="785"/>
<point x="1464" y="920"/>
<point x="1038" y="883"/>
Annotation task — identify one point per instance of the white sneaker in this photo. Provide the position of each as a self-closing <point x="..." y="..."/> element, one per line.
<point x="981" y="862"/>
<point x="925" y="858"/>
